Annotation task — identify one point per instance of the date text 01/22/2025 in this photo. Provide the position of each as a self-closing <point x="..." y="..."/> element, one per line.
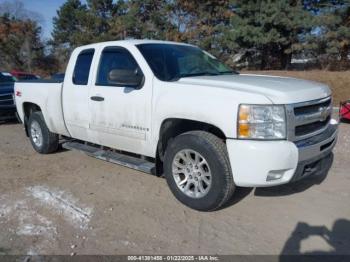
<point x="173" y="258"/>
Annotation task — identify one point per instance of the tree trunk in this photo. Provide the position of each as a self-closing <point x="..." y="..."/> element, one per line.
<point x="285" y="58"/>
<point x="344" y="61"/>
<point x="264" y="58"/>
<point x="344" y="53"/>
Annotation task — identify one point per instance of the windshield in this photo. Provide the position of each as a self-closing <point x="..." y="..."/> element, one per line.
<point x="6" y="78"/>
<point x="169" y="62"/>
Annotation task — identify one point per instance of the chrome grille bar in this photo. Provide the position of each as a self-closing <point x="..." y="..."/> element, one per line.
<point x="313" y="117"/>
<point x="315" y="113"/>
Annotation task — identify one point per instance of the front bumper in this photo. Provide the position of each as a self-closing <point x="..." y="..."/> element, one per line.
<point x="315" y="153"/>
<point x="254" y="162"/>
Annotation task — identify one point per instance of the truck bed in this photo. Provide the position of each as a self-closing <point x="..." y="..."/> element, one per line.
<point x="47" y="95"/>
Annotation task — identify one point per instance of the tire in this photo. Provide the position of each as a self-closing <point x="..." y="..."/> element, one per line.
<point x="213" y="158"/>
<point x="43" y="141"/>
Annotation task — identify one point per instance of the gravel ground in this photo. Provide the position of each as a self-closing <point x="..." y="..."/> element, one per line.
<point x="69" y="203"/>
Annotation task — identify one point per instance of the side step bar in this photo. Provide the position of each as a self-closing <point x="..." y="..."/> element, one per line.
<point x="113" y="157"/>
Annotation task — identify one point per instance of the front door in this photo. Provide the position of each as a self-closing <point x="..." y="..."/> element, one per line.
<point x="120" y="115"/>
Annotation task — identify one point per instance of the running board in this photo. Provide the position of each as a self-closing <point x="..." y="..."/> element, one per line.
<point x="113" y="157"/>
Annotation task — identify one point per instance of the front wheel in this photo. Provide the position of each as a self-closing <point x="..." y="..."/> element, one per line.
<point x="42" y="139"/>
<point x="198" y="172"/>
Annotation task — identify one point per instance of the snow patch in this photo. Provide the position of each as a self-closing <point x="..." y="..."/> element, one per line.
<point x="64" y="204"/>
<point x="37" y="211"/>
<point x="33" y="230"/>
<point x="32" y="224"/>
<point x="6" y="209"/>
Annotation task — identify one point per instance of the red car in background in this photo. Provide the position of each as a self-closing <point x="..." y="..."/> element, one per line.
<point x="23" y="75"/>
<point x="344" y="111"/>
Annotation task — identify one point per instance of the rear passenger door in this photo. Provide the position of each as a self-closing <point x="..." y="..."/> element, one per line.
<point x="120" y="115"/>
<point x="76" y="94"/>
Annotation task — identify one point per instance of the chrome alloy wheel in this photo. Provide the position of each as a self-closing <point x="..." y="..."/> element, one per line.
<point x="191" y="173"/>
<point x="36" y="134"/>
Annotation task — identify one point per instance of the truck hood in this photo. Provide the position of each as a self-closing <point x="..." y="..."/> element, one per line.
<point x="280" y="90"/>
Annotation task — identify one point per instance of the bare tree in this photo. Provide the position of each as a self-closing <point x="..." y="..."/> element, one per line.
<point x="16" y="9"/>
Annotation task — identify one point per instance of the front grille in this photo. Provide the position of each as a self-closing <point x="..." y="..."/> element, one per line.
<point x="308" y="118"/>
<point x="6" y="100"/>
<point x="311" y="109"/>
<point x="311" y="128"/>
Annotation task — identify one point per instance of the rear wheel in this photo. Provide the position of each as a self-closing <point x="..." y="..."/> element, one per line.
<point x="42" y="139"/>
<point x="198" y="171"/>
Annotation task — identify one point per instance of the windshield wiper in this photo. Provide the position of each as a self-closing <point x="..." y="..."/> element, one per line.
<point x="229" y="72"/>
<point x="200" y="74"/>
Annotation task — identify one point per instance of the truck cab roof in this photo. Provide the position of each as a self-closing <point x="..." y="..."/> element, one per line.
<point x="129" y="42"/>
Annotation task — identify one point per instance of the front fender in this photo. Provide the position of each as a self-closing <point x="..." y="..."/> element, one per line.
<point x="211" y="105"/>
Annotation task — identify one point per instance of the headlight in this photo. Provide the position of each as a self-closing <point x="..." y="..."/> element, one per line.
<point x="261" y="122"/>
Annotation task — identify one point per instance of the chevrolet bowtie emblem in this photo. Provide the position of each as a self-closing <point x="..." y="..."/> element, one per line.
<point x="323" y="113"/>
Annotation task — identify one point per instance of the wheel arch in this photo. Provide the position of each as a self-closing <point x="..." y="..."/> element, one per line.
<point x="28" y="109"/>
<point x="172" y="127"/>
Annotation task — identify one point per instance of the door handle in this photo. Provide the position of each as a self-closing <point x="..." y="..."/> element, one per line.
<point x="97" y="98"/>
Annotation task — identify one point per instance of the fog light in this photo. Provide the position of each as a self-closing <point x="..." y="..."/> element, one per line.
<point x="275" y="174"/>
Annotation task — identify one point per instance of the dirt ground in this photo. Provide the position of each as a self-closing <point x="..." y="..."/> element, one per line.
<point x="69" y="203"/>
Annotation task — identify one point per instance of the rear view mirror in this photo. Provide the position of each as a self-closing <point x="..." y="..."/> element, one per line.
<point x="128" y="78"/>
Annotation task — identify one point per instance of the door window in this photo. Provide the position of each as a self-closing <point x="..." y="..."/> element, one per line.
<point x="82" y="67"/>
<point x="115" y="58"/>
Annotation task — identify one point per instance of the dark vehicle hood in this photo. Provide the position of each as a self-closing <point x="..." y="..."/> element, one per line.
<point x="6" y="88"/>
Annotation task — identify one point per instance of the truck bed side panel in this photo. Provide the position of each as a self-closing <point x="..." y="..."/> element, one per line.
<point x="48" y="96"/>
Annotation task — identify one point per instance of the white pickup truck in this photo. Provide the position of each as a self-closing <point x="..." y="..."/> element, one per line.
<point x="172" y="109"/>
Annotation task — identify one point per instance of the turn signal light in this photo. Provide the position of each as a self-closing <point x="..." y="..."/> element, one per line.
<point x="243" y="125"/>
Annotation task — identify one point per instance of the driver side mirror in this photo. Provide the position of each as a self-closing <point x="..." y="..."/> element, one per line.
<point x="127" y="78"/>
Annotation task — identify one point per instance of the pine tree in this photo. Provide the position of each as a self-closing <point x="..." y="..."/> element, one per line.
<point x="333" y="37"/>
<point x="140" y="19"/>
<point x="272" y="28"/>
<point x="99" y="15"/>
<point x="70" y="25"/>
<point x="270" y="32"/>
<point x="201" y="22"/>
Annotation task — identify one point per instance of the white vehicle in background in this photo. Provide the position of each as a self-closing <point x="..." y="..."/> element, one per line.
<point x="173" y="109"/>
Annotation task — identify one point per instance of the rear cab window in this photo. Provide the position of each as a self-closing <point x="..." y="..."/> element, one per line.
<point x="82" y="67"/>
